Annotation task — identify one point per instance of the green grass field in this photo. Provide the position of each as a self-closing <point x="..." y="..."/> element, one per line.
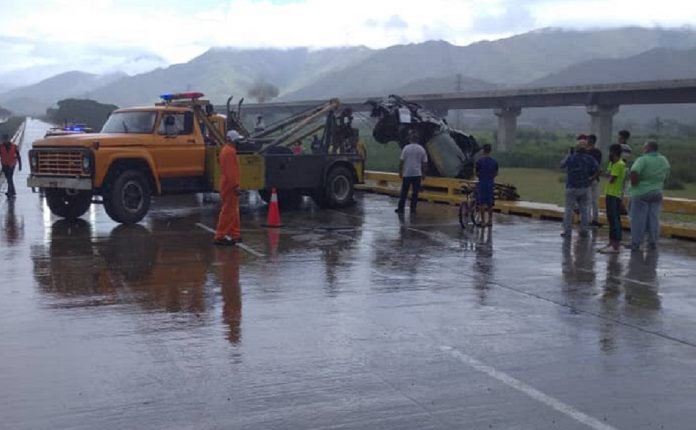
<point x="536" y="185"/>
<point x="546" y="186"/>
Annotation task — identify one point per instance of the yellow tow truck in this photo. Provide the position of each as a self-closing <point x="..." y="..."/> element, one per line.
<point x="173" y="147"/>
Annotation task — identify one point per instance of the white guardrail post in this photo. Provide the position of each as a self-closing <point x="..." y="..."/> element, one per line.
<point x="19" y="134"/>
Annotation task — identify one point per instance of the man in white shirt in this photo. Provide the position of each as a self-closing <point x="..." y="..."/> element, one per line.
<point x="414" y="161"/>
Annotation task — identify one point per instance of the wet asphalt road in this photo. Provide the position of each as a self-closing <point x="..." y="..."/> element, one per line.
<point x="344" y="319"/>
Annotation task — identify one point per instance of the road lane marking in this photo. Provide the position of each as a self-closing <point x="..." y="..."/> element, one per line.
<point x="527" y="389"/>
<point x="239" y="245"/>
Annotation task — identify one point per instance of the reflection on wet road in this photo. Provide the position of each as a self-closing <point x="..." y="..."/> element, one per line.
<point x="350" y="319"/>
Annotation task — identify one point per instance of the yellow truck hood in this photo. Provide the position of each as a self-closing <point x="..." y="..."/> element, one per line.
<point x="89" y="139"/>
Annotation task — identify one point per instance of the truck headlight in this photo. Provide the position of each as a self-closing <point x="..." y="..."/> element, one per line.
<point x="86" y="163"/>
<point x="34" y="160"/>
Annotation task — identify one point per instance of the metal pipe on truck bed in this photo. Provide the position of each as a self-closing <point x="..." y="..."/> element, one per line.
<point x="328" y="107"/>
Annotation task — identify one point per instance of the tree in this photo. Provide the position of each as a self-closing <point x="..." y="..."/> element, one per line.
<point x="89" y="112"/>
<point x="263" y="91"/>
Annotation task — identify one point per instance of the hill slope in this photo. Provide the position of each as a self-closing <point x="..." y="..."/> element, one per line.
<point x="513" y="61"/>
<point x="35" y="99"/>
<point x="656" y="64"/>
<point x="221" y="72"/>
<point x="445" y="84"/>
<point x="540" y="57"/>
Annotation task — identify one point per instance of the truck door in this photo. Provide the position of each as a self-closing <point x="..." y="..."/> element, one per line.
<point x="178" y="149"/>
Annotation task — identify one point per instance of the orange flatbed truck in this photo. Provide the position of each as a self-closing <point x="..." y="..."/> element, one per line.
<point x="172" y="148"/>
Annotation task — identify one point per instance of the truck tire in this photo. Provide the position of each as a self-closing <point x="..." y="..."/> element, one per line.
<point x="127" y="197"/>
<point x="68" y="205"/>
<point x="338" y="188"/>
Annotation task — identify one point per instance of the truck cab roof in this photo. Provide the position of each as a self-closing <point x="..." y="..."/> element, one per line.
<point x="156" y="108"/>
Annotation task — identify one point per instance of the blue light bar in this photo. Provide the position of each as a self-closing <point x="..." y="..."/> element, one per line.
<point x="180" y="96"/>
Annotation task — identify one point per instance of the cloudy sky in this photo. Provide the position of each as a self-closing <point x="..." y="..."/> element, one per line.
<point x="137" y="35"/>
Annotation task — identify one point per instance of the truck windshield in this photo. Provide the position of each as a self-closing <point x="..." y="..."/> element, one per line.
<point x="130" y="122"/>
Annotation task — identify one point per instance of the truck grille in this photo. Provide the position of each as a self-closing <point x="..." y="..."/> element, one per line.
<point x="59" y="163"/>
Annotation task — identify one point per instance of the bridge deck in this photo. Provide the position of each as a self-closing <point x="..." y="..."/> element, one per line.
<point x="629" y="93"/>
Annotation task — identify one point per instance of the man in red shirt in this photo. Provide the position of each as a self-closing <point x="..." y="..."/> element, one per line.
<point x="228" y="231"/>
<point x="9" y="158"/>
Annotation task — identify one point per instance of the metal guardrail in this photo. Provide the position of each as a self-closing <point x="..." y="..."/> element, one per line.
<point x="434" y="190"/>
<point x="449" y="191"/>
<point x="19" y="134"/>
<point x="669" y="205"/>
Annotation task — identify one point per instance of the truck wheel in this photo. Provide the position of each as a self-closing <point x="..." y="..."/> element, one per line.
<point x="127" y="197"/>
<point x="338" y="188"/>
<point x="66" y="204"/>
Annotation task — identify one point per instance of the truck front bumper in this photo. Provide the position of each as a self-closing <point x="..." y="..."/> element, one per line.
<point x="58" y="182"/>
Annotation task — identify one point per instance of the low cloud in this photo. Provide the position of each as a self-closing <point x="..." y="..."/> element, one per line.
<point x="395" y="22"/>
<point x="97" y="35"/>
<point x="514" y="17"/>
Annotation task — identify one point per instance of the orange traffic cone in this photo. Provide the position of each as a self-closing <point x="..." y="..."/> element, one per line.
<point x="273" y="219"/>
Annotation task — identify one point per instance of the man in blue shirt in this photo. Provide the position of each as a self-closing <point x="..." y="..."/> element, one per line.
<point x="486" y="170"/>
<point x="581" y="170"/>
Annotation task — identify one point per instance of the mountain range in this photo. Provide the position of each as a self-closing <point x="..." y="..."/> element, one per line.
<point x="37" y="98"/>
<point x="547" y="57"/>
<point x="653" y="65"/>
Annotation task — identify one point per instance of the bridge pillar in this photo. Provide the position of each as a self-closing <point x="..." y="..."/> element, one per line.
<point x="507" y="127"/>
<point x="602" y="124"/>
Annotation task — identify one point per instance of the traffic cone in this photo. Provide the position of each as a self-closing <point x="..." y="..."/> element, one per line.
<point x="273" y="219"/>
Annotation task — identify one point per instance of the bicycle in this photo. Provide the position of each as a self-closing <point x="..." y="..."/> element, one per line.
<point x="469" y="213"/>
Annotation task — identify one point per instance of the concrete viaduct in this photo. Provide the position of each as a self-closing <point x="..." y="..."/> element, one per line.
<point x="601" y="101"/>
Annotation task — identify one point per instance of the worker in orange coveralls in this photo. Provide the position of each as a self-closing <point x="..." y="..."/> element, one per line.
<point x="227" y="233"/>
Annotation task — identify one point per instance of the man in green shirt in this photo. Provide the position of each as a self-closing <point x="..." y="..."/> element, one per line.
<point x="616" y="171"/>
<point x="648" y="175"/>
